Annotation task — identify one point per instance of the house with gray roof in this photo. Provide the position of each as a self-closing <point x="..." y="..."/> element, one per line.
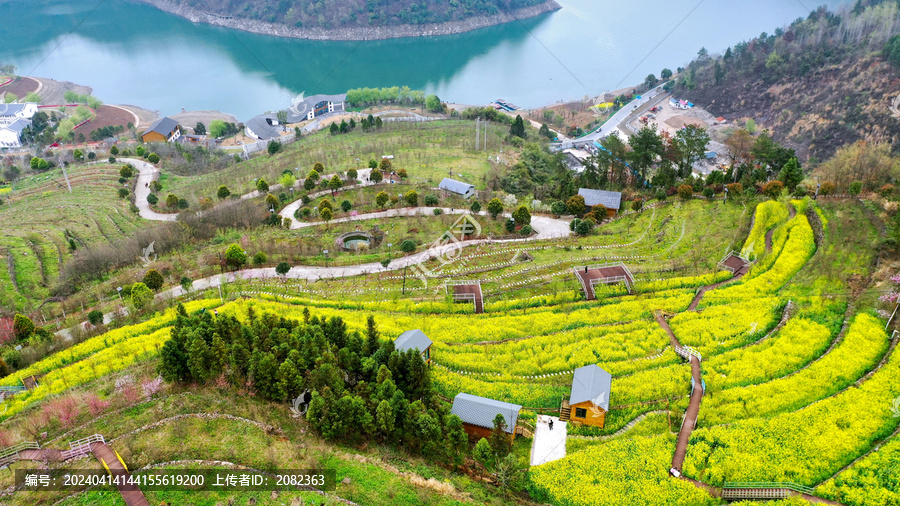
<point x="457" y="187"/>
<point x="164" y="129"/>
<point x="266" y="126"/>
<point x="414" y="340"/>
<point x="10" y="113"/>
<point x="612" y="201"/>
<point x="589" y="399"/>
<point x="11" y="134"/>
<point x="478" y="413"/>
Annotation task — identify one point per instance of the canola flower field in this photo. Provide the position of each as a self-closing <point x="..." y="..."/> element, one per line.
<point x="791" y="395"/>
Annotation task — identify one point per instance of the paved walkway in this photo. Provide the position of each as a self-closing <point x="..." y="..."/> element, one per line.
<point x="548" y="228"/>
<point x="147" y="173"/>
<point x="548" y="445"/>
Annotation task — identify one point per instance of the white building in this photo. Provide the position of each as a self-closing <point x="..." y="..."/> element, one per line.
<point x="14" y="118"/>
<point x="12" y="112"/>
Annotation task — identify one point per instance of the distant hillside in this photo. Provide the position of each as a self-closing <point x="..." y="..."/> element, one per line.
<point x="818" y="84"/>
<point x="355" y="19"/>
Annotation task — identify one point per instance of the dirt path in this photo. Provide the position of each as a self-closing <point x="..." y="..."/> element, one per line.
<point x="769" y="240"/>
<point x="700" y="293"/>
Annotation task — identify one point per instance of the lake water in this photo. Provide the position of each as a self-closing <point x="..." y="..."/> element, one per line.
<point x="132" y="53"/>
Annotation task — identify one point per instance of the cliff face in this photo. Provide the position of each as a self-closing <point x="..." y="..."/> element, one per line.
<point x="351" y="26"/>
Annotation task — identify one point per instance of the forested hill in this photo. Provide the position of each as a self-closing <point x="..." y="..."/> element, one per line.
<point x="299" y="18"/>
<point x="822" y="82"/>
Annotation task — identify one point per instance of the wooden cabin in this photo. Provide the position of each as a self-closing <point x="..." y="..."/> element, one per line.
<point x="478" y="413"/>
<point x="589" y="399"/>
<point x="414" y="339"/>
<point x="164" y="129"/>
<point x="612" y="201"/>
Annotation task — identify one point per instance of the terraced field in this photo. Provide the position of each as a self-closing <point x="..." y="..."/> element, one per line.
<point x="41" y="216"/>
<point x="798" y="376"/>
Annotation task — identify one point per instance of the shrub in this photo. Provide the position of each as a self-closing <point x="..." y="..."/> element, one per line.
<point x="708" y="192"/>
<point x="223" y="192"/>
<point x="522" y="216"/>
<point x="141" y="296"/>
<point x="495" y="207"/>
<point x="558" y="208"/>
<point x="438" y="211"/>
<point x="123" y="193"/>
<point x="526" y="230"/>
<point x="153" y="280"/>
<point x="685" y="192"/>
<point x="575" y="205"/>
<point x="773" y="189"/>
<point x="475" y="207"/>
<point x="260" y="258"/>
<point x="510" y="225"/>
<point x="23" y="327"/>
<point x="95" y="317"/>
<point x="412" y="198"/>
<point x="431" y="200"/>
<point x="152" y="199"/>
<point x="262" y="186"/>
<point x="282" y="268"/>
<point x="153" y="158"/>
<point x="661" y="195"/>
<point x="235" y="256"/>
<point x="735" y="190"/>
<point x="584" y="227"/>
<point x="346" y="206"/>
<point x="826" y="189"/>
<point x="126" y="171"/>
<point x="408" y="246"/>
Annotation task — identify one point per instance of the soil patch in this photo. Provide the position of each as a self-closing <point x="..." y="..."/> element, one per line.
<point x="107" y="115"/>
<point x="20" y="86"/>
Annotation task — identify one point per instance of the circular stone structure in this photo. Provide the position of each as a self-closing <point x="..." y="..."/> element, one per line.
<point x="351" y="241"/>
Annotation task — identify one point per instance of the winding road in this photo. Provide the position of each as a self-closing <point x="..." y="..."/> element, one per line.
<point x="614" y="121"/>
<point x="147" y="173"/>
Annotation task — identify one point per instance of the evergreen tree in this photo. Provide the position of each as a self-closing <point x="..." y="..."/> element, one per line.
<point x="517" y="128"/>
<point x="791" y="174"/>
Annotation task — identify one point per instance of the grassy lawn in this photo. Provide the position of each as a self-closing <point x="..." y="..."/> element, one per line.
<point x="428" y="152"/>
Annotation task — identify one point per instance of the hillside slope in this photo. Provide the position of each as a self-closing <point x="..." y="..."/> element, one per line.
<point x="816" y="85"/>
<point x="355" y="19"/>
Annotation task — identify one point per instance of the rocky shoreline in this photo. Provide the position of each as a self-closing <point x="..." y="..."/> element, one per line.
<point x="353" y="33"/>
